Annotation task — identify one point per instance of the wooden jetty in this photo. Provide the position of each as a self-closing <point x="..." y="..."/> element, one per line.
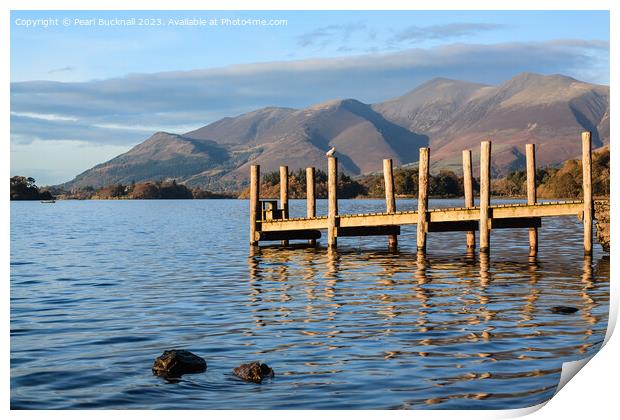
<point x="270" y="222"/>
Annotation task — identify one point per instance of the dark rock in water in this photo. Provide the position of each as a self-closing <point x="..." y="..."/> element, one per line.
<point x="174" y="363"/>
<point x="253" y="372"/>
<point x="563" y="310"/>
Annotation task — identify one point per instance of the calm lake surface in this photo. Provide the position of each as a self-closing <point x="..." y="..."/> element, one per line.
<point x="99" y="289"/>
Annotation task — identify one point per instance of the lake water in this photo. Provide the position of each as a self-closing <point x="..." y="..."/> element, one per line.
<point x="99" y="289"/>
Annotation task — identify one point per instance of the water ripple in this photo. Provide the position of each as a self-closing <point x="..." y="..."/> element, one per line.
<point x="110" y="285"/>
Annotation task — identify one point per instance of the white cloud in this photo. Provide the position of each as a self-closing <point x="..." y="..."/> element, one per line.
<point x="443" y="32"/>
<point x="46" y="117"/>
<point x="329" y="34"/>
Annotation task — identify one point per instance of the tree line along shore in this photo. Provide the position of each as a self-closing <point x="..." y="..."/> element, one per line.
<point x="561" y="182"/>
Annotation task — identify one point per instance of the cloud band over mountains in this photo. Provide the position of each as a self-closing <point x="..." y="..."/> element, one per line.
<point x="126" y="109"/>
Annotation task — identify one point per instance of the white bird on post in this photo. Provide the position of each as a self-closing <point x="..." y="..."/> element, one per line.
<point x="331" y="152"/>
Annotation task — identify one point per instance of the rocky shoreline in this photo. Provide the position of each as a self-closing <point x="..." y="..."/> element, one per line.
<point x="601" y="214"/>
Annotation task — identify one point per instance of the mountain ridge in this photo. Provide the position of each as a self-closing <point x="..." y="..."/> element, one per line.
<point x="445" y="114"/>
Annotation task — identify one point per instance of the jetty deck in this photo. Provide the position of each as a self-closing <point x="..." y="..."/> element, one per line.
<point x="269" y="219"/>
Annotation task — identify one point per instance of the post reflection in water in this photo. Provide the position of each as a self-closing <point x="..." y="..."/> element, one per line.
<point x="255" y="280"/>
<point x="331" y="274"/>
<point x="529" y="306"/>
<point x="446" y="321"/>
<point x="424" y="296"/>
<point x="331" y="277"/>
<point x="310" y="270"/>
<point x="588" y="303"/>
<point x="484" y="269"/>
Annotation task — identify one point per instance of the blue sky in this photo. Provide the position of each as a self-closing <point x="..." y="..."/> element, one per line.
<point x="83" y="94"/>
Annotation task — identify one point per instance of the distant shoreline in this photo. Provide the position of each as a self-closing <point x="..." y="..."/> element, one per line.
<point x="405" y="197"/>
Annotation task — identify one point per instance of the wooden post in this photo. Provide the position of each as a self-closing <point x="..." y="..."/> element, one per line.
<point x="284" y="195"/>
<point x="390" y="201"/>
<point x="468" y="187"/>
<point x="332" y="202"/>
<point x="586" y="142"/>
<point x="254" y="201"/>
<point x="485" y="194"/>
<point x="530" y="155"/>
<point x="310" y="197"/>
<point x="423" y="171"/>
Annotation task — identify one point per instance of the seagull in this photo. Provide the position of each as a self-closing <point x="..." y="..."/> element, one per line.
<point x="331" y="152"/>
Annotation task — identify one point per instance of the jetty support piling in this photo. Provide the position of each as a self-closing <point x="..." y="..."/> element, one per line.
<point x="468" y="187"/>
<point x="310" y="198"/>
<point x="530" y="156"/>
<point x="332" y="200"/>
<point x="254" y="202"/>
<point x="586" y="142"/>
<point x="390" y="200"/>
<point x="423" y="172"/>
<point x="485" y="195"/>
<point x="284" y="196"/>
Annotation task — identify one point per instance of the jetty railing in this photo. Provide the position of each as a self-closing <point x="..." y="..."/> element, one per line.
<point x="270" y="224"/>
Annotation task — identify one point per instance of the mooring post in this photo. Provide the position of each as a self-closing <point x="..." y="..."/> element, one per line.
<point x="254" y="201"/>
<point x="485" y="194"/>
<point x="332" y="202"/>
<point x="530" y="156"/>
<point x="468" y="187"/>
<point x="423" y="171"/>
<point x="284" y="195"/>
<point x="310" y="197"/>
<point x="390" y="201"/>
<point x="586" y="142"/>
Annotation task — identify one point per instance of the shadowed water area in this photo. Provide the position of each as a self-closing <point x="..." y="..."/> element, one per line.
<point x="100" y="288"/>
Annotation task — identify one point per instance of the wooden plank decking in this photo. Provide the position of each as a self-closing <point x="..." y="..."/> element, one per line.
<point x="400" y="218"/>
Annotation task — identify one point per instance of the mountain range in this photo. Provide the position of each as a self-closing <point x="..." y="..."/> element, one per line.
<point x="446" y="115"/>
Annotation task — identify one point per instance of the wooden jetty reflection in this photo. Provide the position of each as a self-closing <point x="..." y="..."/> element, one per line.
<point x="319" y="291"/>
<point x="270" y="222"/>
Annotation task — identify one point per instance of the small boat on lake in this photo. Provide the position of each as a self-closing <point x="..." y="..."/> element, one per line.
<point x="48" y="201"/>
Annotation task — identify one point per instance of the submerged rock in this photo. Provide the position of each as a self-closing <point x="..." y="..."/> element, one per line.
<point x="253" y="372"/>
<point x="174" y="363"/>
<point x="563" y="310"/>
